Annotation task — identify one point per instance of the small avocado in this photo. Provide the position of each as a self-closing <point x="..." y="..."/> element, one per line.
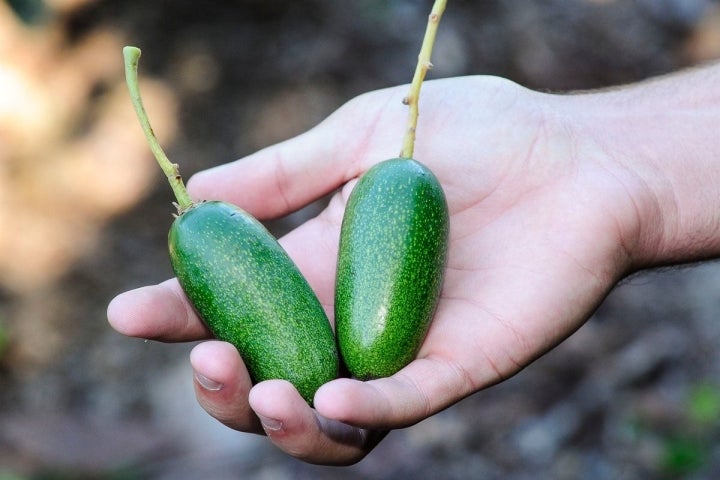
<point x="251" y="294"/>
<point x="241" y="282"/>
<point x="391" y="262"/>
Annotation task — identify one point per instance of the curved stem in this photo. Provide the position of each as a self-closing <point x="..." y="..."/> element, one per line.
<point x="132" y="57"/>
<point x="423" y="66"/>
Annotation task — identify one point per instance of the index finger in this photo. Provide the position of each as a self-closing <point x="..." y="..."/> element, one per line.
<point x="284" y="177"/>
<point x="158" y="312"/>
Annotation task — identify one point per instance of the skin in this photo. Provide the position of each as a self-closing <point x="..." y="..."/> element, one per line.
<point x="553" y="199"/>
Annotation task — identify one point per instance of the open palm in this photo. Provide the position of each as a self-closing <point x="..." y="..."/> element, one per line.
<point x="543" y="224"/>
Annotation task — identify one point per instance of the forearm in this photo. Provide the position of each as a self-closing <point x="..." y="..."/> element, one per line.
<point x="666" y="131"/>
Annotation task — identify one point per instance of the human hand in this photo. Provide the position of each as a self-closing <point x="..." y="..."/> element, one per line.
<point x="543" y="223"/>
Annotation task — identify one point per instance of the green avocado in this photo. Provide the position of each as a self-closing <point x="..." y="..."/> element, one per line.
<point x="391" y="262"/>
<point x="241" y="282"/>
<point x="251" y="294"/>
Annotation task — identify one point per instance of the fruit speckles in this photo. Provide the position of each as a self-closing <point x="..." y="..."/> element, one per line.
<point x="241" y="282"/>
<point x="390" y="266"/>
<point x="250" y="294"/>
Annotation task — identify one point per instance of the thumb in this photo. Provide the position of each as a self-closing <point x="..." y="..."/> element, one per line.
<point x="276" y="180"/>
<point x="285" y="177"/>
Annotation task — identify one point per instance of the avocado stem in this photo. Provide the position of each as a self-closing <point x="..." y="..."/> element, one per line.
<point x="171" y="170"/>
<point x="421" y="69"/>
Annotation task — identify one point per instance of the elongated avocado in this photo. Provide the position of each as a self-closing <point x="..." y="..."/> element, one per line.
<point x="250" y="293"/>
<point x="393" y="247"/>
<point x="241" y="282"/>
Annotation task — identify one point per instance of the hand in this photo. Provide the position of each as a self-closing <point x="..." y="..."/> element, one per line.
<point x="543" y="224"/>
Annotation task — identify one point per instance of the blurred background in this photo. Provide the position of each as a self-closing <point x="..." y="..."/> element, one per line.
<point x="84" y="213"/>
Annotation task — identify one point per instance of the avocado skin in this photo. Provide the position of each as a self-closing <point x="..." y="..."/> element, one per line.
<point x="391" y="262"/>
<point x="249" y="292"/>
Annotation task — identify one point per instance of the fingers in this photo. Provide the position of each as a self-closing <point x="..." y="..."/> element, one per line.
<point x="158" y="312"/>
<point x="222" y="384"/>
<point x="418" y="391"/>
<point x="331" y="434"/>
<point x="282" y="178"/>
<point x="163" y="312"/>
<point x="299" y="431"/>
<point x="224" y="389"/>
<point x="277" y="180"/>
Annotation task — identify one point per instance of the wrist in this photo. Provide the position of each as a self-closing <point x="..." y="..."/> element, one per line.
<point x="661" y="141"/>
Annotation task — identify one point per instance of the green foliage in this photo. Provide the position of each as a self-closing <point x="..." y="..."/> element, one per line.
<point x="684" y="455"/>
<point x="688" y="447"/>
<point x="704" y="404"/>
<point x="685" y="437"/>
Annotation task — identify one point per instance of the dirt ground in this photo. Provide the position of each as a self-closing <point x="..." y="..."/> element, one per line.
<point x="84" y="213"/>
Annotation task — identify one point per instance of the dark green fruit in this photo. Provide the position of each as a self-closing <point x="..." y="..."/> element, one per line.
<point x="241" y="282"/>
<point x="393" y="246"/>
<point x="250" y="293"/>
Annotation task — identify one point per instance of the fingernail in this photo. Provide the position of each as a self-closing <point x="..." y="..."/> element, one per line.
<point x="270" y="424"/>
<point x="207" y="383"/>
